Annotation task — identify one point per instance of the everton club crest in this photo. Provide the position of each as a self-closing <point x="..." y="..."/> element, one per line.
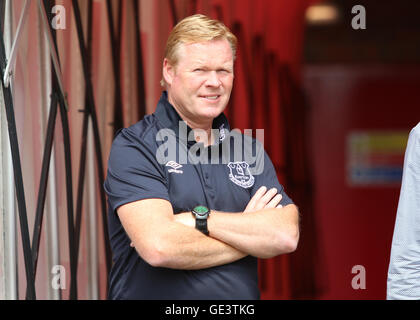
<point x="240" y="174"/>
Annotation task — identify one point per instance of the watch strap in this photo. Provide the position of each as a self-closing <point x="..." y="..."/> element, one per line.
<point x="201" y="225"/>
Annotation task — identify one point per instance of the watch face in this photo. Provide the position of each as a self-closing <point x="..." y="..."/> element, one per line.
<point x="201" y="211"/>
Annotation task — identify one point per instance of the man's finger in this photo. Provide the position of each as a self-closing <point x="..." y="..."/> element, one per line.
<point x="256" y="198"/>
<point x="266" y="199"/>
<point x="274" y="202"/>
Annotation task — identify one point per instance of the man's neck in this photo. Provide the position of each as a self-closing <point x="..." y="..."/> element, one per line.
<point x="204" y="136"/>
<point x="202" y="130"/>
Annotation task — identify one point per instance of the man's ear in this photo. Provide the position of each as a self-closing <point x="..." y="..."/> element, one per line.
<point x="168" y="71"/>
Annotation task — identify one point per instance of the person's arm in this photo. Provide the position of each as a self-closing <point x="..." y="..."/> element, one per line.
<point x="163" y="242"/>
<point x="264" y="234"/>
<point x="404" y="263"/>
<point x="163" y="239"/>
<point x="263" y="230"/>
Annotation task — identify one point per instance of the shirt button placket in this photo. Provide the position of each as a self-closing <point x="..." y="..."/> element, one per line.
<point x="206" y="170"/>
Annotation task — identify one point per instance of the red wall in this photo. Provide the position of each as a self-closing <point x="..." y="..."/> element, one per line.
<point x="354" y="223"/>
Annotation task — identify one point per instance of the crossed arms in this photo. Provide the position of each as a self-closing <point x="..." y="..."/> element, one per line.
<point x="265" y="229"/>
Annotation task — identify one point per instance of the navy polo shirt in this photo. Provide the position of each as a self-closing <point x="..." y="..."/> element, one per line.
<point x="155" y="159"/>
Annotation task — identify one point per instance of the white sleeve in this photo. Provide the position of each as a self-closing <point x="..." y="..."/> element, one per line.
<point x="404" y="267"/>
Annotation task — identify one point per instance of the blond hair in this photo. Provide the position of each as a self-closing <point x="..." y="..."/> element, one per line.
<point x="194" y="29"/>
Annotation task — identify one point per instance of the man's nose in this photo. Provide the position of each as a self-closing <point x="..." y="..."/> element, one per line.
<point x="213" y="79"/>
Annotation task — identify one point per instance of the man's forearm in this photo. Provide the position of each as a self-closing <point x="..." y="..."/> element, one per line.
<point x="265" y="233"/>
<point x="183" y="247"/>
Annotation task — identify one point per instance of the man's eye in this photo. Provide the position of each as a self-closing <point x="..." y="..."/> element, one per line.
<point x="198" y="70"/>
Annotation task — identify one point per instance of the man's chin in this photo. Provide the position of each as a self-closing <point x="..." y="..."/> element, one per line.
<point x="212" y="114"/>
<point x="212" y="111"/>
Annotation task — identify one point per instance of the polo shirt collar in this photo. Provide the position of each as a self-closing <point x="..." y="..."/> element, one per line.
<point x="170" y="118"/>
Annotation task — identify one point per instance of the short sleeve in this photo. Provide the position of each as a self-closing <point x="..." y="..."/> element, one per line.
<point x="265" y="175"/>
<point x="133" y="171"/>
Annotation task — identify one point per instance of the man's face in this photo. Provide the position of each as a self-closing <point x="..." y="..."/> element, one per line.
<point x="199" y="86"/>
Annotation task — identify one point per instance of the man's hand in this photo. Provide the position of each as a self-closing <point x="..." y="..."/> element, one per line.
<point x="265" y="229"/>
<point x="264" y="199"/>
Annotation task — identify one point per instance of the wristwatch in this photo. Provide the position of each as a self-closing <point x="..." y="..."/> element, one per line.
<point x="201" y="214"/>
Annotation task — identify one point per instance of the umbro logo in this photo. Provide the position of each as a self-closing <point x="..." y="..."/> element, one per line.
<point x="175" y="166"/>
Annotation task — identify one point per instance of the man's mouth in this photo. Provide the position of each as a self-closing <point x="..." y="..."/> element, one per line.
<point x="211" y="97"/>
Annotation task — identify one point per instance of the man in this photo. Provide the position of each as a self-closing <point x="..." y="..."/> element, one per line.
<point x="196" y="227"/>
<point x="404" y="266"/>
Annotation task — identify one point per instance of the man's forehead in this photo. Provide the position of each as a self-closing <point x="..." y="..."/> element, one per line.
<point x="201" y="51"/>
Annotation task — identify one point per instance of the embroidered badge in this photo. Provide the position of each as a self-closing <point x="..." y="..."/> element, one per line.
<point x="240" y="174"/>
<point x="175" y="166"/>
